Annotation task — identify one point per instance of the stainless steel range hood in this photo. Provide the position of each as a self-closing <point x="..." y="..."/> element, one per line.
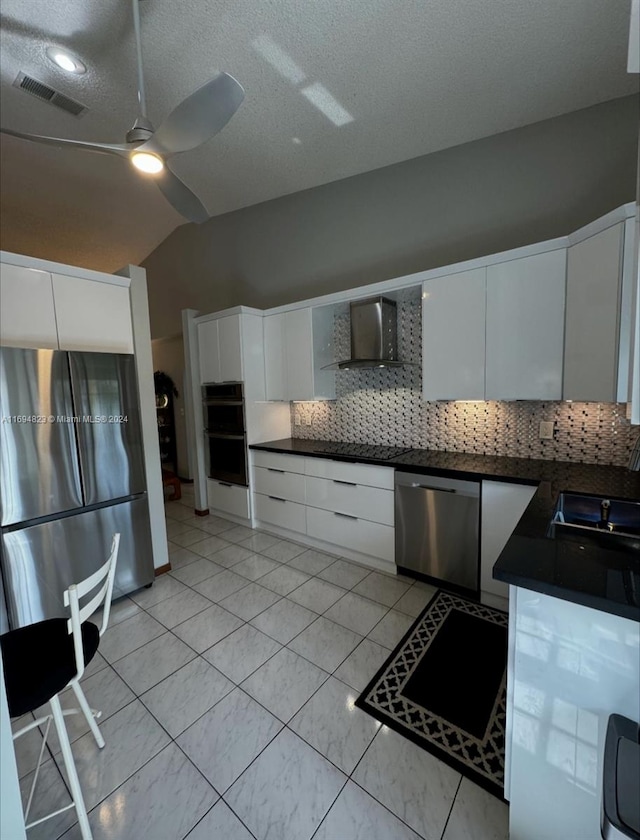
<point x="374" y="332"/>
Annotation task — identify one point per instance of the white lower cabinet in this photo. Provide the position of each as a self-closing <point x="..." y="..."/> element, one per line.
<point x="275" y="482"/>
<point x="228" y="498"/>
<point x="369" y="503"/>
<point x="350" y="532"/>
<point x="283" y="513"/>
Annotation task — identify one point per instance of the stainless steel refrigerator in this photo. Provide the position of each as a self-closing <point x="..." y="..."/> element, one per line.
<point x="71" y="474"/>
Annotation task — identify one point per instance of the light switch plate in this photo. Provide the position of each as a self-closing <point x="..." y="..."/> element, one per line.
<point x="546" y="430"/>
<point x="297" y="419"/>
<point x="307" y="420"/>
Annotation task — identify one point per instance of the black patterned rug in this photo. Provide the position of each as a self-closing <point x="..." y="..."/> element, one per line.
<point x="444" y="687"/>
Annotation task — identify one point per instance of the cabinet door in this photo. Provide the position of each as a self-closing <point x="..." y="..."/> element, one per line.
<point x="453" y="336"/>
<point x="230" y="342"/>
<point x="299" y="355"/>
<point x="92" y="315"/>
<point x="525" y="328"/>
<point x="27" y="315"/>
<point x="593" y="306"/>
<point x="274" y="357"/>
<point x="208" y="351"/>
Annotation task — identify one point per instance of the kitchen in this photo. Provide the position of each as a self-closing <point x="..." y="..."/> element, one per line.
<point x="293" y="563"/>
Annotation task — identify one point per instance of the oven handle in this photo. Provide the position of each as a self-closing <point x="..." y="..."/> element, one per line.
<point x="214" y="401"/>
<point x="223" y="437"/>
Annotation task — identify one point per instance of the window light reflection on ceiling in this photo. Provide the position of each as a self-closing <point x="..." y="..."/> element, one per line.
<point x="278" y="59"/>
<point x="327" y="104"/>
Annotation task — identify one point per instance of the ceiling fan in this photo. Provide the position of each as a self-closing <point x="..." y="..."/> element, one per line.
<point x="194" y="121"/>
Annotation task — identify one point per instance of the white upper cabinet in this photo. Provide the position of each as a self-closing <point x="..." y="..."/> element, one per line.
<point x="92" y="315"/>
<point x="525" y="327"/>
<point x="592" y="336"/>
<point x="231" y="349"/>
<point x="297" y="346"/>
<point x="230" y="344"/>
<point x="453" y="336"/>
<point x="209" y="351"/>
<point x="27" y="313"/>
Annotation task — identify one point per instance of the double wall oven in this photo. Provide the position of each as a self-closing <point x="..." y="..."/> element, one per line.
<point x="224" y="430"/>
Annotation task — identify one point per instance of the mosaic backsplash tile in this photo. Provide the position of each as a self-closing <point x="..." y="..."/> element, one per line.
<point x="385" y="406"/>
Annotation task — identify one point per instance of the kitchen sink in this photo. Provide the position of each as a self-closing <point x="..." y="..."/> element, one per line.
<point x="613" y="523"/>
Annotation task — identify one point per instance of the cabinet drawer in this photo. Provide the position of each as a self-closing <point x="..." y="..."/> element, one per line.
<point x="367" y="474"/>
<point x="273" y="482"/>
<point x="347" y="532"/>
<point x="276" y="461"/>
<point x="228" y="498"/>
<point x="280" y="512"/>
<point x="370" y="503"/>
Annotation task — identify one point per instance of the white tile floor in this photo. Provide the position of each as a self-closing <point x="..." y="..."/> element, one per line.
<point x="228" y="693"/>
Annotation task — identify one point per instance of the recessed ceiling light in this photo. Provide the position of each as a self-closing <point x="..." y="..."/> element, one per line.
<point x="146" y="162"/>
<point x="66" y="61"/>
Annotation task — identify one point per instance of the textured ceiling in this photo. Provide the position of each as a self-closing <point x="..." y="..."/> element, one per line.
<point x="411" y="76"/>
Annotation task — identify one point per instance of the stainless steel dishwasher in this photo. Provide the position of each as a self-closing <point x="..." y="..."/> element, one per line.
<point x="437" y="529"/>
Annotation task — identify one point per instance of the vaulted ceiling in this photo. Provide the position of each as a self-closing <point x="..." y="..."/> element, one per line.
<point x="333" y="88"/>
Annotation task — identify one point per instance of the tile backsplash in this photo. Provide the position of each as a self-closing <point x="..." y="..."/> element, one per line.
<point x="385" y="406"/>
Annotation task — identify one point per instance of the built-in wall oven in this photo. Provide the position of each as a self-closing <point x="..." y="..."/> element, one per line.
<point x="224" y="431"/>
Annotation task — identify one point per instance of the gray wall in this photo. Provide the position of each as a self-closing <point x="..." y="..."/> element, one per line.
<point x="501" y="192"/>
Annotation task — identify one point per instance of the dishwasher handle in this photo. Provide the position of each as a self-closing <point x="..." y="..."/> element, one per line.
<point x="416" y="486"/>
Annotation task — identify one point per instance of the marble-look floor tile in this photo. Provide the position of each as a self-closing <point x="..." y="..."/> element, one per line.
<point x="174" y="528"/>
<point x="415" y="600"/>
<point x="125" y="637"/>
<point x="382" y="588"/>
<point x="255" y="567"/>
<point x="409" y="781"/>
<point x="359" y="668"/>
<point x="27" y="746"/>
<point x="228" y="557"/>
<point x="284" y="620"/>
<point x="225" y="740"/>
<point x="357" y="816"/>
<point x="391" y="629"/>
<point x="260" y="541"/>
<point x="175" y="610"/>
<point x="178" y="512"/>
<point x="120" y="610"/>
<point x="284" y="683"/>
<point x="283" y="551"/>
<point x="208" y="627"/>
<point x="180" y="557"/>
<point x="287" y="790"/>
<point x="220" y="586"/>
<point x="202" y="569"/>
<point x="132" y="738"/>
<point x="311" y="561"/>
<point x="146" y="666"/>
<point x="208" y="546"/>
<point x="242" y="652"/>
<point x="220" y="824"/>
<point x="190" y="537"/>
<point x="163" y="587"/>
<point x="183" y="697"/>
<point x="162" y="801"/>
<point x="317" y="595"/>
<point x="357" y="613"/>
<point x="344" y="574"/>
<point x="331" y="723"/>
<point x="249" y="602"/>
<point x="476" y="813"/>
<point x="97" y="664"/>
<point x="325" y="643"/>
<point x="239" y="533"/>
<point x="51" y="794"/>
<point x="284" y="579"/>
<point x="214" y="525"/>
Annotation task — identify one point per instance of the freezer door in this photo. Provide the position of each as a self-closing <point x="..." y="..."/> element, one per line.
<point x="105" y="395"/>
<point x="40" y="562"/>
<point x="39" y="470"/>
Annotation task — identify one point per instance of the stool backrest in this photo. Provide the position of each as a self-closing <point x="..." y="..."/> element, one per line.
<point x="105" y="575"/>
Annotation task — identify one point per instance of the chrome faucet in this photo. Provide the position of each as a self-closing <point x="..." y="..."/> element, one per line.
<point x="634" y="459"/>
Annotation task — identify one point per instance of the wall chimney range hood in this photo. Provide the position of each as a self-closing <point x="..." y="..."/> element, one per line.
<point x="374" y="334"/>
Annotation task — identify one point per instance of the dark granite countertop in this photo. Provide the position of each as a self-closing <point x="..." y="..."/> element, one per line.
<point x="586" y="573"/>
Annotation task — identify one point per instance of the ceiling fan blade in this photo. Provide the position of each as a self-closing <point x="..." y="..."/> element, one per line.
<point x="181" y="197"/>
<point x="87" y="146"/>
<point x="198" y="117"/>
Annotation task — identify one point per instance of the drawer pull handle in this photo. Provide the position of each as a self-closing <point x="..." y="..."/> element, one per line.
<point x="345" y="515"/>
<point x="273" y="469"/>
<point x="347" y="483"/>
<point x="224" y="484"/>
<point x="277" y="499"/>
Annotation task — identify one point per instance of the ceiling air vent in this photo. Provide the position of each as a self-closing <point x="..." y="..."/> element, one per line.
<point x="49" y="94"/>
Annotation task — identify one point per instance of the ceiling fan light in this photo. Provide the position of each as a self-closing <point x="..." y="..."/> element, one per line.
<point x="148" y="163"/>
<point x="66" y="61"/>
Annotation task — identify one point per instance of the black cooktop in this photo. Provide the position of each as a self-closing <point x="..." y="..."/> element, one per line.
<point x="360" y="451"/>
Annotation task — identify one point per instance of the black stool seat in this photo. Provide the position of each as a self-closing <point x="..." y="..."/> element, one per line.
<point x="39" y="661"/>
